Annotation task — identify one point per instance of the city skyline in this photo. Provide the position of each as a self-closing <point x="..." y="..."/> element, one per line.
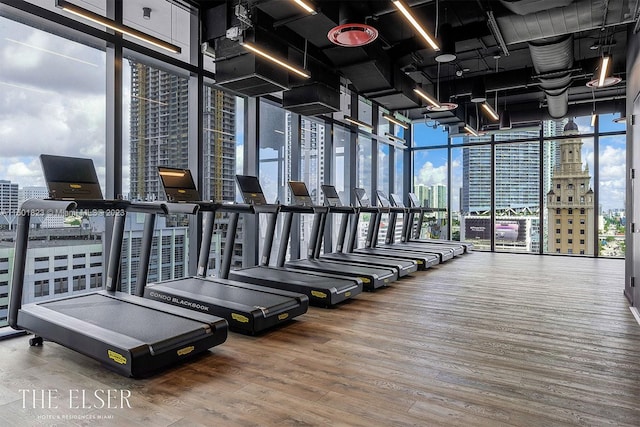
<point x="431" y="166"/>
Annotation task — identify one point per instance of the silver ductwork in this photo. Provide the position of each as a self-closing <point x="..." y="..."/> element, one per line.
<point x="553" y="57"/>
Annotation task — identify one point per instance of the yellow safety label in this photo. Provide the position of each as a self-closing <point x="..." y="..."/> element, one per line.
<point x="239" y="318"/>
<point x="318" y="294"/>
<point x="347" y="294"/>
<point x="364" y="280"/>
<point x="186" y="350"/>
<point x="283" y="316"/>
<point x="117" y="357"/>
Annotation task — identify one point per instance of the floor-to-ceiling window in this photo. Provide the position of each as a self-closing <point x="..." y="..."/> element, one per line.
<point x="53" y="102"/>
<point x="156" y="110"/>
<point x="499" y="180"/>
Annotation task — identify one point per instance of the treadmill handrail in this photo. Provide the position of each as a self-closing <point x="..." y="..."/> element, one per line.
<point x="305" y="208"/>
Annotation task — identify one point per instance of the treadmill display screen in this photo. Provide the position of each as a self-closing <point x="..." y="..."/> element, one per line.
<point x="361" y="196"/>
<point x="383" y="199"/>
<point x="300" y="193"/>
<point x="178" y="184"/>
<point x="248" y="184"/>
<point x="397" y="200"/>
<point x="414" y="200"/>
<point x="251" y="190"/>
<point x="331" y="195"/>
<point x="70" y="177"/>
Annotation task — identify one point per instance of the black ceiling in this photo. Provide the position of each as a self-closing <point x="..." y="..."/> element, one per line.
<point x="553" y="48"/>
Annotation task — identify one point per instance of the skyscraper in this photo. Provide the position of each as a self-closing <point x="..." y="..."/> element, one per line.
<point x="8" y="204"/>
<point x="159" y="136"/>
<point x="516" y="174"/>
<point x="570" y="202"/>
<point x="159" y="123"/>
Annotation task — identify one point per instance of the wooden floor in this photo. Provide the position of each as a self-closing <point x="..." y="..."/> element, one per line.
<point x="485" y="339"/>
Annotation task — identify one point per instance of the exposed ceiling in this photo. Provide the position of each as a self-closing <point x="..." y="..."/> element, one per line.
<point x="551" y="49"/>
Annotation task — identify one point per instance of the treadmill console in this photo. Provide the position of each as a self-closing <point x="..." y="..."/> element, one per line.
<point x="70" y="178"/>
<point x="384" y="201"/>
<point x="415" y="202"/>
<point x="251" y="190"/>
<point x="331" y="196"/>
<point x="361" y="197"/>
<point x="397" y="200"/>
<point x="300" y="193"/>
<point x="178" y="184"/>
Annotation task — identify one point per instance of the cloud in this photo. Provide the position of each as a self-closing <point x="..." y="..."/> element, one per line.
<point x="431" y="175"/>
<point x="612" y="177"/>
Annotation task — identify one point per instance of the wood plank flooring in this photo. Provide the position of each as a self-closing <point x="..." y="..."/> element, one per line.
<point x="483" y="340"/>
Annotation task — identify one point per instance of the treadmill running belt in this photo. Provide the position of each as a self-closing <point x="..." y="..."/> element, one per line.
<point x="101" y="310"/>
<point x="226" y="292"/>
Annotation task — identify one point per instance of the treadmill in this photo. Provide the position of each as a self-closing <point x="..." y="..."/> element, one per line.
<point x="396" y="201"/>
<point x="130" y="335"/>
<point x="424" y="260"/>
<point x="404" y="266"/>
<point x="322" y="289"/>
<point x="420" y="211"/>
<point x="373" y="276"/>
<point x="247" y="308"/>
<point x="443" y="253"/>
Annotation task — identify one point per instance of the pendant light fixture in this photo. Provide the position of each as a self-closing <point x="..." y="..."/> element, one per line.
<point x="444" y="34"/>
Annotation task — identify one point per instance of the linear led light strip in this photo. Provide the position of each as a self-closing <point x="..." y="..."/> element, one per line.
<point x="396" y="121"/>
<point x="490" y="111"/>
<point x="405" y="11"/>
<point x="471" y="130"/>
<point x="305" y="6"/>
<point x="603" y="70"/>
<point x="171" y="173"/>
<point x="358" y="123"/>
<point x="101" y="20"/>
<point x="427" y="97"/>
<point x="271" y="58"/>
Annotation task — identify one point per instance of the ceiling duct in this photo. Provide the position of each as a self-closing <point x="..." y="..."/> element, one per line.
<point x="249" y="74"/>
<point x="525" y="7"/>
<point x="553" y="57"/>
<point x="236" y="68"/>
<point x="320" y="96"/>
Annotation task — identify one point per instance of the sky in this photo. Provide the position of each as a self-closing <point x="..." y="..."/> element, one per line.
<point x="52" y="101"/>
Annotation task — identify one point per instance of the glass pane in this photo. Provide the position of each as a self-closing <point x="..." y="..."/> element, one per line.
<point x="399" y="172"/>
<point x="611" y="123"/>
<point x="384" y="169"/>
<point x="430" y="185"/>
<point x="517" y="195"/>
<point x="221" y="139"/>
<point x="569" y="198"/>
<point x="427" y="134"/>
<point x="44" y="113"/>
<point x="612" y="221"/>
<point x="274" y="167"/>
<point x="456" y="191"/>
<point x="365" y="111"/>
<point x="475" y="203"/>
<point x="312" y="140"/>
<point x="383" y="124"/>
<point x="363" y="169"/>
<point x="156" y="106"/>
<point x="341" y="172"/>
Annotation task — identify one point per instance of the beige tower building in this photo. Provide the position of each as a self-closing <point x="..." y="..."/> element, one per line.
<point x="570" y="201"/>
